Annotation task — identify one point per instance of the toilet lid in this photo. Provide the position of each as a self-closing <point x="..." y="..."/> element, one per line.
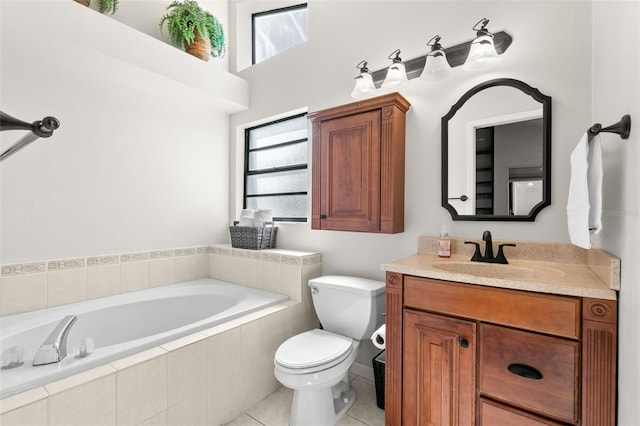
<point x="312" y="348"/>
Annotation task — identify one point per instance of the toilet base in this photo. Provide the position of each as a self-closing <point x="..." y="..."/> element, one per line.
<point x="324" y="406"/>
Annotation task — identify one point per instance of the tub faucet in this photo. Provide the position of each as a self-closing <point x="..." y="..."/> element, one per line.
<point x="54" y="349"/>
<point x="488" y="250"/>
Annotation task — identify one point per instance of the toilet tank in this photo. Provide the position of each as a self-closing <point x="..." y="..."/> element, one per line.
<point x="349" y="306"/>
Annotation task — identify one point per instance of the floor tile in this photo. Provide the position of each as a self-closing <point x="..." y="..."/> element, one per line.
<point x="347" y="420"/>
<point x="365" y="408"/>
<point x="274" y="410"/>
<point x="244" y="420"/>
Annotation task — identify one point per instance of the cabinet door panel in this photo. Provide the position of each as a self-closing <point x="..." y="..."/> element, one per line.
<point x="438" y="370"/>
<point x="351" y="167"/>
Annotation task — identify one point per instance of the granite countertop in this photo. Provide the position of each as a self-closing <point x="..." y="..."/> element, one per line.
<point x="554" y="268"/>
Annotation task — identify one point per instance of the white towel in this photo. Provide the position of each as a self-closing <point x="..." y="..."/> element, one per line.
<point x="584" y="206"/>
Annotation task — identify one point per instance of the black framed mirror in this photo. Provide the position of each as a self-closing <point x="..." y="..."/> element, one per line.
<point x="496" y="153"/>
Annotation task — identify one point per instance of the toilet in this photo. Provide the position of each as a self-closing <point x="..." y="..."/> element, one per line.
<point x="316" y="363"/>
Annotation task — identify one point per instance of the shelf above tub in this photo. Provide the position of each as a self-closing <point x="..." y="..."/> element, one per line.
<point x="65" y="32"/>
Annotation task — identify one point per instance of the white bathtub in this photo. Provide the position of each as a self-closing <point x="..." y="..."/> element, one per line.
<point x="123" y="324"/>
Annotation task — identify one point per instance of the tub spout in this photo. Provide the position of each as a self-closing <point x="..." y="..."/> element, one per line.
<point x="54" y="349"/>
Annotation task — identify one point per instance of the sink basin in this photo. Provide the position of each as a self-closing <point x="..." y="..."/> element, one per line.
<point x="496" y="270"/>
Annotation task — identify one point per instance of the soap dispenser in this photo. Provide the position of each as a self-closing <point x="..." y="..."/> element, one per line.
<point x="444" y="243"/>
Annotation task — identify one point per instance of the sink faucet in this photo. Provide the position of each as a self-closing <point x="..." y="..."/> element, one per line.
<point x="54" y="349"/>
<point x="488" y="250"/>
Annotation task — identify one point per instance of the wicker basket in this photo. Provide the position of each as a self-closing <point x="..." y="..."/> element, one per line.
<point x="254" y="238"/>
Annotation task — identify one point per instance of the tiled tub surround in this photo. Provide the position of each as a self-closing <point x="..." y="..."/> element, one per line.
<point x="38" y="285"/>
<point x="124" y="324"/>
<point x="209" y="377"/>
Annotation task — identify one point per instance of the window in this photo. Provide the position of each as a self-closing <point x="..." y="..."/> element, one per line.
<point x="277" y="30"/>
<point x="275" y="171"/>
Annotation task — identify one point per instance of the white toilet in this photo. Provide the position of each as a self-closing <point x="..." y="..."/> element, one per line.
<point x="315" y="364"/>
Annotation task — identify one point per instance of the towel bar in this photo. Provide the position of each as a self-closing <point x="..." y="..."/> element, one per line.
<point x="622" y="128"/>
<point x="38" y="129"/>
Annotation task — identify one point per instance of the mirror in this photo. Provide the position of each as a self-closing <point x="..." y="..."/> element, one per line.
<point x="496" y="153"/>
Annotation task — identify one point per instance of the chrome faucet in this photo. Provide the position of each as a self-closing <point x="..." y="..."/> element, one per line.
<point x="54" y="349"/>
<point x="488" y="250"/>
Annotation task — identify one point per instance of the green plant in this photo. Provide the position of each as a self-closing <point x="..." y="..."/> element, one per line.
<point x="105" y="6"/>
<point x="184" y="17"/>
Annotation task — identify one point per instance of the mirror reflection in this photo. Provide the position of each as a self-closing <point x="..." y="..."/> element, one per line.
<point x="496" y="153"/>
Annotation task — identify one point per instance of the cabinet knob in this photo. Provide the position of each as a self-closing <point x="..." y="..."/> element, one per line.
<point x="323" y="216"/>
<point x="464" y="343"/>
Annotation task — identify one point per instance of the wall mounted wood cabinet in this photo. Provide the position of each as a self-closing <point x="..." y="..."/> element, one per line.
<point x="358" y="166"/>
<point x="461" y="354"/>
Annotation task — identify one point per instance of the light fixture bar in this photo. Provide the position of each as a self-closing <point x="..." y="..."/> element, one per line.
<point x="456" y="55"/>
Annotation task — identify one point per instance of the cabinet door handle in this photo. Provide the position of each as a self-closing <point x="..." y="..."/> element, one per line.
<point x="323" y="216"/>
<point x="464" y="343"/>
<point x="525" y="371"/>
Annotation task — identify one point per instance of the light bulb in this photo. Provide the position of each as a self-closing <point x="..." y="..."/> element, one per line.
<point x="396" y="73"/>
<point x="482" y="52"/>
<point x="364" y="86"/>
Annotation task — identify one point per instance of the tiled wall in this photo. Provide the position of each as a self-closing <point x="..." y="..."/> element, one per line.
<point x="207" y="378"/>
<point x="37" y="285"/>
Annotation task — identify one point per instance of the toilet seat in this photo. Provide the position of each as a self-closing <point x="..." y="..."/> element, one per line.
<point x="311" y="351"/>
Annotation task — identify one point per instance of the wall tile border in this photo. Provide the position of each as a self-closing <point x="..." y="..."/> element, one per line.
<point x="102" y="278"/>
<point x="160" y="254"/>
<point x="24" y="268"/>
<point x="134" y="257"/>
<point x="186" y="252"/>
<point x="58" y="265"/>
<point x="103" y="260"/>
<point x="272" y="255"/>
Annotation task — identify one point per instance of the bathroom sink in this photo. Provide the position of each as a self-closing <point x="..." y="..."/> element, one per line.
<point x="495" y="270"/>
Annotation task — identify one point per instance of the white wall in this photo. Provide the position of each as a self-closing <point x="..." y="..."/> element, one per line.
<point x="551" y="50"/>
<point x="132" y="166"/>
<point x="616" y="91"/>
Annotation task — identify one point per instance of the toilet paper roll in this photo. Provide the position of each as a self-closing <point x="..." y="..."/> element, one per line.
<point x="378" y="337"/>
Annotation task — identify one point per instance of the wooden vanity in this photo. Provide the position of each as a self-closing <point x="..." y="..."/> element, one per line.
<point x="466" y="350"/>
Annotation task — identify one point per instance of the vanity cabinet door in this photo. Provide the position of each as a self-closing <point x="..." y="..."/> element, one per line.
<point x="438" y="370"/>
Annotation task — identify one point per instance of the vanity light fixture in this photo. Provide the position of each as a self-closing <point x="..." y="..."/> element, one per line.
<point x="364" y="82"/>
<point x="482" y="52"/>
<point x="396" y="73"/>
<point x="436" y="66"/>
<point x="474" y="54"/>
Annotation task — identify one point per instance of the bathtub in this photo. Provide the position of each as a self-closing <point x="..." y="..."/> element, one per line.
<point x="122" y="325"/>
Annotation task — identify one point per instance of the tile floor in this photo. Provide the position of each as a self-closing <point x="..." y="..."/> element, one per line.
<point x="274" y="409"/>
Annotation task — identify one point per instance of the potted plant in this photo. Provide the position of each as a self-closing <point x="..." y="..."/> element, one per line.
<point x="105" y="6"/>
<point x="193" y="29"/>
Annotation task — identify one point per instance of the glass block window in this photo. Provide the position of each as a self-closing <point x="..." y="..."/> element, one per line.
<point x="277" y="30"/>
<point x="276" y="174"/>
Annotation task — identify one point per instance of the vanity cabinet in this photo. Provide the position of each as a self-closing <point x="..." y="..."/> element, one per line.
<point x="462" y="354"/>
<point x="358" y="166"/>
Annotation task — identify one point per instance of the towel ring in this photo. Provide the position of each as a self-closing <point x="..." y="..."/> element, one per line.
<point x="622" y="128"/>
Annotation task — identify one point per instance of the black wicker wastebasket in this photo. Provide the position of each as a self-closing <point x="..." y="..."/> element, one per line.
<point x="379" y="362"/>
